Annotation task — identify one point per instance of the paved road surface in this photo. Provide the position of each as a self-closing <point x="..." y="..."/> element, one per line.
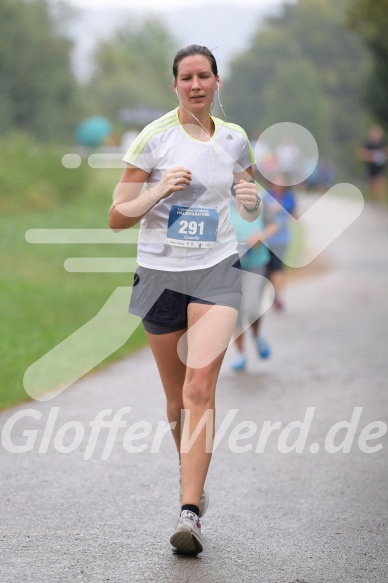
<point x="274" y="517"/>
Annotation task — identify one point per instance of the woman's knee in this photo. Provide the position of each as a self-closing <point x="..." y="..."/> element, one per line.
<point x="198" y="391"/>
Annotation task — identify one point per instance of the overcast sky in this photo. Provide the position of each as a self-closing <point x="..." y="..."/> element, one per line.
<point x="162" y="5"/>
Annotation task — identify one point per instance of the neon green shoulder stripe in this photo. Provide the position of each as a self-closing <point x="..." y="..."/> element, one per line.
<point x="160" y="125"/>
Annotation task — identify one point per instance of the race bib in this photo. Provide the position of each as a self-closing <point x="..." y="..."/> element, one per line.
<point x="192" y="227"/>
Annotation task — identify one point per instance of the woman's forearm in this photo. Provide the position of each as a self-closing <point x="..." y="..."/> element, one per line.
<point x="126" y="214"/>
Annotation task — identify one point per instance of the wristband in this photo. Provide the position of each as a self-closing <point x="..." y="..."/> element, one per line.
<point x="255" y="208"/>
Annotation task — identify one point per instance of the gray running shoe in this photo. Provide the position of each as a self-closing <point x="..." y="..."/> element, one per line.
<point x="204" y="502"/>
<point x="187" y="537"/>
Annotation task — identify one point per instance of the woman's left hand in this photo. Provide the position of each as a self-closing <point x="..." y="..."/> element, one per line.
<point x="246" y="193"/>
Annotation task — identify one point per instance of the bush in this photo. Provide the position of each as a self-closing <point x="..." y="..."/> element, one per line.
<point x="32" y="176"/>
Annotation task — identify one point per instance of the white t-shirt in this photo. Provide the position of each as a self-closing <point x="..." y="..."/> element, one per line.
<point x="165" y="144"/>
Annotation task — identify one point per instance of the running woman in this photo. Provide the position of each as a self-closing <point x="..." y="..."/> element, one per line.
<point x="375" y="153"/>
<point x="187" y="287"/>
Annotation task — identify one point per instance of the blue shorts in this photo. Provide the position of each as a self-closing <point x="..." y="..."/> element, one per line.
<point x="161" y="298"/>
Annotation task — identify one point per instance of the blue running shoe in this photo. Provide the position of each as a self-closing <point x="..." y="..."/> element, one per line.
<point x="262" y="347"/>
<point x="239" y="363"/>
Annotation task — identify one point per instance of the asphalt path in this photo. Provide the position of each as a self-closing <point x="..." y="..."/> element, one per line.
<point x="317" y="516"/>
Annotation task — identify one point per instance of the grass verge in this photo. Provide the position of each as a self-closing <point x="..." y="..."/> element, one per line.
<point x="41" y="303"/>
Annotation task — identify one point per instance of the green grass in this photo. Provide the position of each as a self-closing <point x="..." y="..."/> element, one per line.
<point x="41" y="303"/>
<point x="297" y="245"/>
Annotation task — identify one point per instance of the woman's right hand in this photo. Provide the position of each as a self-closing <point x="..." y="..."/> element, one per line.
<point x="173" y="180"/>
<point x="128" y="207"/>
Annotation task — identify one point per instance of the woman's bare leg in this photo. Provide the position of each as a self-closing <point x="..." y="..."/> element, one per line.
<point x="193" y="388"/>
<point x="172" y="374"/>
<point x="209" y="332"/>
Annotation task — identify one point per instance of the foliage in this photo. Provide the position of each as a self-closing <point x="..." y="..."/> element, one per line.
<point x="284" y="100"/>
<point x="32" y="176"/>
<point x="38" y="90"/>
<point x="304" y="66"/>
<point x="370" y="19"/>
<point x="132" y="68"/>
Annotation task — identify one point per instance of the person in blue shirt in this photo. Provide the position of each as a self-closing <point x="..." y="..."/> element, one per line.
<point x="281" y="201"/>
<point x="254" y="257"/>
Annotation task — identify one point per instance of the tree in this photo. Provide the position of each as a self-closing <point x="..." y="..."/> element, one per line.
<point x="132" y="68"/>
<point x="38" y="90"/>
<point x="250" y="74"/>
<point x="370" y="19"/>
<point x="294" y="95"/>
<point x="306" y="64"/>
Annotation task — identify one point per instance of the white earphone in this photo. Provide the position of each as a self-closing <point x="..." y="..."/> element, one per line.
<point x="218" y="86"/>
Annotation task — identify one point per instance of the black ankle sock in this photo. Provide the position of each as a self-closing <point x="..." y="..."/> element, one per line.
<point x="191" y="507"/>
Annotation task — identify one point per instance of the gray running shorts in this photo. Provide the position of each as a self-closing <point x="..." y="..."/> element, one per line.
<point x="161" y="298"/>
